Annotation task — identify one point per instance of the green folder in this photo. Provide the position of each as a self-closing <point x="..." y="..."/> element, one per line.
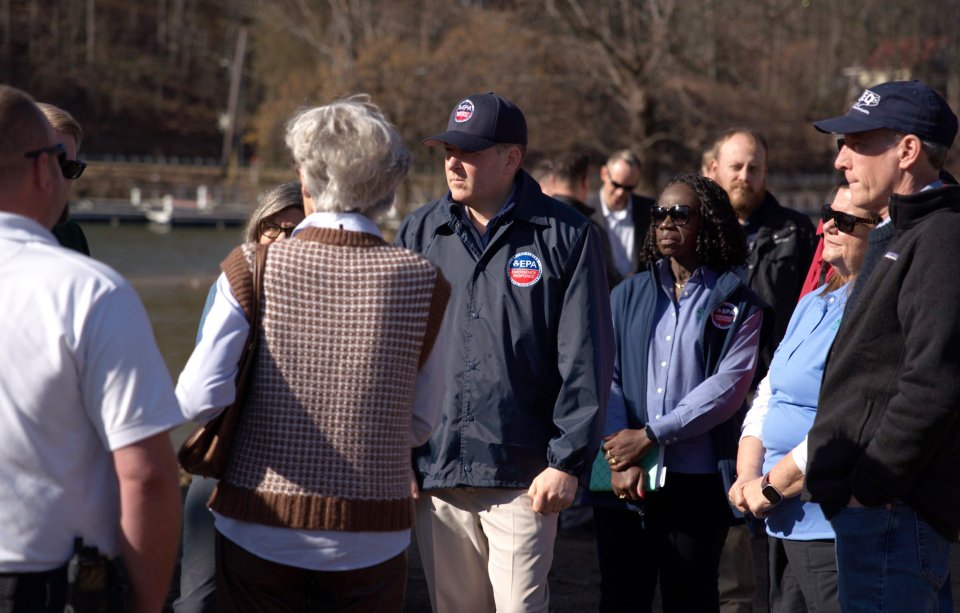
<point x="652" y="463"/>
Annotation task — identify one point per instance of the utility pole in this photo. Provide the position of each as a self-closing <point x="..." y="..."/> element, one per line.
<point x="236" y="73"/>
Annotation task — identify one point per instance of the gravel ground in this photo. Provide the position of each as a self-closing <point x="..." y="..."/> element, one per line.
<point x="575" y="579"/>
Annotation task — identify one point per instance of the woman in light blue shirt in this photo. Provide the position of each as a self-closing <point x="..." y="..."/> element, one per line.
<point x="773" y="444"/>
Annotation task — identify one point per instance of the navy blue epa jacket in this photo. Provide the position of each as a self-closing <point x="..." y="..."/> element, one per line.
<point x="529" y="359"/>
<point x="634" y="303"/>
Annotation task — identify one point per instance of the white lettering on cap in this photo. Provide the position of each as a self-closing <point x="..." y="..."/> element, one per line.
<point x="867" y="98"/>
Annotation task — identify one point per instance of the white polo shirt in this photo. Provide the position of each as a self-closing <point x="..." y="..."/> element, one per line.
<point x="80" y="376"/>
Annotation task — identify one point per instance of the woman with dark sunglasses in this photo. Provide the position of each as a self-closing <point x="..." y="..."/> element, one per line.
<point x="773" y="445"/>
<point x="687" y="331"/>
<point x="278" y="212"/>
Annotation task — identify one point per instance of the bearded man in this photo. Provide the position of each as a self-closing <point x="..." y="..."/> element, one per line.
<point x="780" y="241"/>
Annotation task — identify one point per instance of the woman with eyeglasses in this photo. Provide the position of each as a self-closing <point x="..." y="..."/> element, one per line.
<point x="278" y="212"/>
<point x="773" y="445"/>
<point x="687" y="332"/>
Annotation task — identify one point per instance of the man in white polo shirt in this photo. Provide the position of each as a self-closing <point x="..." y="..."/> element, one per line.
<point x="85" y="398"/>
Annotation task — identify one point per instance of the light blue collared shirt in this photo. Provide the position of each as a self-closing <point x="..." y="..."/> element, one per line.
<point x="682" y="405"/>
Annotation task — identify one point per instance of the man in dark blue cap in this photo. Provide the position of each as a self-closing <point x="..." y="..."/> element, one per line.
<point x="529" y="364"/>
<point x="884" y="451"/>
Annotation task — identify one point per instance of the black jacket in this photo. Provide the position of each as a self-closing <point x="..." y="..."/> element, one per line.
<point x="613" y="276"/>
<point x="777" y="267"/>
<point x="640" y="214"/>
<point x="888" y="425"/>
<point x="877" y="242"/>
<point x="530" y="342"/>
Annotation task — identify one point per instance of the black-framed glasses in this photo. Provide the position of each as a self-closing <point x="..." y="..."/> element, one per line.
<point x="845" y="221"/>
<point x="680" y="214"/>
<point x="273" y="230"/>
<point x="70" y="169"/>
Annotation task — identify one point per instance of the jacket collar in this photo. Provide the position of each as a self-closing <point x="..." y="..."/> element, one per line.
<point x="530" y="205"/>
<point x="583" y="208"/>
<point x="906" y="211"/>
<point x="768" y="208"/>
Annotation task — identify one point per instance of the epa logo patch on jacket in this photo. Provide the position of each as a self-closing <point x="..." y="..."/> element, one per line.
<point x="524" y="269"/>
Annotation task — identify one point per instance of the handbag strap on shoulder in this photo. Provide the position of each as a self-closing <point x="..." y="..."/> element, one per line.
<point x="259" y="265"/>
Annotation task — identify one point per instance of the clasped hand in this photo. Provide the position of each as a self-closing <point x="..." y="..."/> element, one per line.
<point x="626" y="448"/>
<point x="746" y="494"/>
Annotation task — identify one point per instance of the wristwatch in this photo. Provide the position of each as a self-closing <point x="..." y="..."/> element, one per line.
<point x="769" y="492"/>
<point x="650" y="434"/>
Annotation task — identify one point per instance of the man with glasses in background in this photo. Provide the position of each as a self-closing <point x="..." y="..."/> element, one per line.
<point x="85" y="401"/>
<point x="625" y="215"/>
<point x="563" y="177"/>
<point x="884" y="450"/>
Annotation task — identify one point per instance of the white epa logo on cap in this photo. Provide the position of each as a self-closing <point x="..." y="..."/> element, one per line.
<point x="867" y="98"/>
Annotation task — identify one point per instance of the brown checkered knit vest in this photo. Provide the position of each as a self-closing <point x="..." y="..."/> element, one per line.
<point x="323" y="442"/>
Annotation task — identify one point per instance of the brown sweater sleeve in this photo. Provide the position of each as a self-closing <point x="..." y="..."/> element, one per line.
<point x="438" y="306"/>
<point x="238" y="266"/>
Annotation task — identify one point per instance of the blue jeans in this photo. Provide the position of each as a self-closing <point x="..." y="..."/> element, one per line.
<point x="890" y="560"/>
<point x="197" y="565"/>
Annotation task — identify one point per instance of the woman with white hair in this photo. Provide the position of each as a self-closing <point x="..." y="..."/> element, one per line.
<point x="313" y="511"/>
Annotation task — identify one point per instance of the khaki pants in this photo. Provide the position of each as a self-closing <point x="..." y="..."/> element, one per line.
<point x="484" y="549"/>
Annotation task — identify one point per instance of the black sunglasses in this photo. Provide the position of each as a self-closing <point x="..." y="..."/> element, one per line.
<point x="70" y="169"/>
<point x="679" y="213"/>
<point x="845" y="221"/>
<point x="272" y="230"/>
<point x="842" y="142"/>
<point x="623" y="186"/>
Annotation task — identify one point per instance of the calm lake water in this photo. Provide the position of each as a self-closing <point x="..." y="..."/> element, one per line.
<point x="171" y="269"/>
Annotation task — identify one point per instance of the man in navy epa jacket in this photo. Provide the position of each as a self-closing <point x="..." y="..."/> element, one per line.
<point x="529" y="366"/>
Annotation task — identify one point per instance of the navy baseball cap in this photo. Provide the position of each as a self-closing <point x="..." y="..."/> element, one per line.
<point x="909" y="107"/>
<point x="481" y="121"/>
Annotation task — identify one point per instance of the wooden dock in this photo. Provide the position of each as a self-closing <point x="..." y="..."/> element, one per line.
<point x="185" y="213"/>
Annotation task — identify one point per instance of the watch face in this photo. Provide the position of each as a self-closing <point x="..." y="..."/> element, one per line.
<point x="770" y="493"/>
